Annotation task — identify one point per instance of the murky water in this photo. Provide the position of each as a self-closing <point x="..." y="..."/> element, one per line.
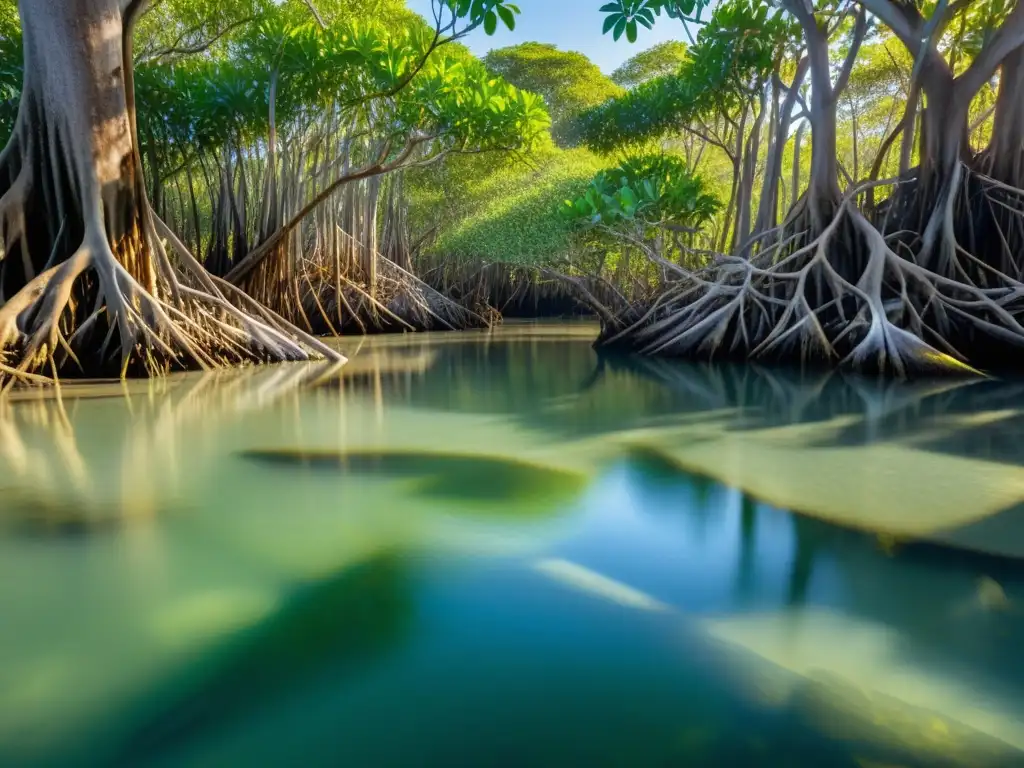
<point x="495" y="549"/>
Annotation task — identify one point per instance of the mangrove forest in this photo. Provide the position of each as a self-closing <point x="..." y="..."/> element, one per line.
<point x="196" y="184"/>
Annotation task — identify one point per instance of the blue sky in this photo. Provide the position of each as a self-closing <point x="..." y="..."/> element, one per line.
<point x="572" y="25"/>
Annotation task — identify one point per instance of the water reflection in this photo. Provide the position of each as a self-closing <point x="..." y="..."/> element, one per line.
<point x="112" y="454"/>
<point x="933" y="461"/>
<point x="484" y="483"/>
<point x="834" y="623"/>
<point x="463" y="543"/>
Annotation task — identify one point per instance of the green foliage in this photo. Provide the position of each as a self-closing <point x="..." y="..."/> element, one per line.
<point x="645" y="189"/>
<point x="205" y="102"/>
<point x="487" y="12"/>
<point x="623" y="16"/>
<point x="656" y="108"/>
<point x="11" y="57"/>
<point x="510" y="214"/>
<point x="661" y="60"/>
<point x="978" y="26"/>
<point x="223" y="94"/>
<point x="569" y="82"/>
<point x="9" y="21"/>
<point x="391" y="14"/>
<point x="734" y="55"/>
<point x="176" y="28"/>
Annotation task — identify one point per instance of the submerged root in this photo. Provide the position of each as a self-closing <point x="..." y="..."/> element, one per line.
<point x="849" y="296"/>
<point x="90" y="313"/>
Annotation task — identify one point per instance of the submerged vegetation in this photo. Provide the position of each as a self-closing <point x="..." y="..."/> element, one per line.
<point x="205" y="184"/>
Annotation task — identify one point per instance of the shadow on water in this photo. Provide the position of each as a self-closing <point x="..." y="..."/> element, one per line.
<point x="330" y="629"/>
<point x="934" y="457"/>
<point x="556" y="382"/>
<point x="981" y="419"/>
<point x="478" y="480"/>
<point x="945" y="448"/>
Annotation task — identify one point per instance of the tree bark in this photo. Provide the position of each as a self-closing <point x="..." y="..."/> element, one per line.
<point x="84" y="264"/>
<point x="767" y="214"/>
<point x="798" y="141"/>
<point x="72" y="155"/>
<point x="1004" y="156"/>
<point x="823" y="186"/>
<point x="944" y="137"/>
<point x="746" y="193"/>
<point x="736" y="156"/>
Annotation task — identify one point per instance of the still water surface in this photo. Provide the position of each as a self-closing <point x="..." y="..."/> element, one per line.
<point x="496" y="549"/>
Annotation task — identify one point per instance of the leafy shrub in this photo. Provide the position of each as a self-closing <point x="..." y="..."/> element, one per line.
<point x="651" y="188"/>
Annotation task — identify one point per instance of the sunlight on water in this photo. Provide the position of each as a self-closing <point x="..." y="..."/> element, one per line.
<point x="582" y="578"/>
<point x="470" y="544"/>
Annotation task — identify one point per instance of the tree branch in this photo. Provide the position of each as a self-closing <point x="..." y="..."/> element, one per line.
<point x="379" y="167"/>
<point x="895" y="18"/>
<point x="714" y="142"/>
<point x="859" y="32"/>
<point x="316" y="13"/>
<point x="1007" y="38"/>
<point x="177" y="50"/>
<point x="435" y="43"/>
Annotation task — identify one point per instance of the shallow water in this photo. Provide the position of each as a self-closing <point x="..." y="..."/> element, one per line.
<point x="495" y="549"/>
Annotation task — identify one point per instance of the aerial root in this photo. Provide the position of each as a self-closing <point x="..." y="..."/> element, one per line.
<point x="267" y="327"/>
<point x="844" y="296"/>
<point x="399" y="299"/>
<point x="53" y="319"/>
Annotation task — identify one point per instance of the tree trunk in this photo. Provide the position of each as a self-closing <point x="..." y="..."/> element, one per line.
<point x="727" y="229"/>
<point x="84" y="264"/>
<point x="823" y="187"/>
<point x="853" y="128"/>
<point x="909" y="130"/>
<point x="734" y="196"/>
<point x="1004" y="156"/>
<point x="798" y="141"/>
<point x="71" y="159"/>
<point x="944" y="138"/>
<point x="767" y="214"/>
<point x="746" y="194"/>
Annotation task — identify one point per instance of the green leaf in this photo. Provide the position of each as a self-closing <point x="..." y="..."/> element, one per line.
<point x="631" y="31"/>
<point x="610" y="22"/>
<point x="620" y="26"/>
<point x="490" y="22"/>
<point x="507" y="16"/>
